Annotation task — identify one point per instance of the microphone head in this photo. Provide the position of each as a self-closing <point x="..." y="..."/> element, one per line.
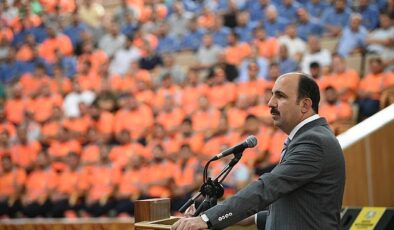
<point x="251" y="141"/>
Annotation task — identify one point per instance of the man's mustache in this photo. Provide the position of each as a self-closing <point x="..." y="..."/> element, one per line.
<point x="274" y="111"/>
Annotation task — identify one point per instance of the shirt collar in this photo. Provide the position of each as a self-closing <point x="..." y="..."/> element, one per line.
<point x="302" y="123"/>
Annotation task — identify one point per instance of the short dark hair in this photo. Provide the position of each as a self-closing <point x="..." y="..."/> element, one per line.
<point x="308" y="88"/>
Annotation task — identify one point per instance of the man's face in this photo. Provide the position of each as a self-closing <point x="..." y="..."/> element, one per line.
<point x="285" y="109"/>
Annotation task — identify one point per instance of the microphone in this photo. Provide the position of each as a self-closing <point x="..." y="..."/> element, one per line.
<point x="250" y="142"/>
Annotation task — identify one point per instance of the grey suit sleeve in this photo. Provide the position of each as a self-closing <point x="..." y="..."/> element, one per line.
<point x="302" y="164"/>
<point x="261" y="219"/>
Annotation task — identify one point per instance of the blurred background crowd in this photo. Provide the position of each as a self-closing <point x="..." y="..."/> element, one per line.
<point x="106" y="102"/>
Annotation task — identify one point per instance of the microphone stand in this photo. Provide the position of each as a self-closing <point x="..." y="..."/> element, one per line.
<point x="212" y="190"/>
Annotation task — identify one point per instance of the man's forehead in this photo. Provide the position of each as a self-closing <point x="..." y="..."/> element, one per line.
<point x="286" y="82"/>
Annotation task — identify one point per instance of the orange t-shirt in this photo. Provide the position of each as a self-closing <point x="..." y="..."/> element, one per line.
<point x="346" y="80"/>
<point x="159" y="172"/>
<point x="121" y="154"/>
<point x="25" y="53"/>
<point x="31" y="84"/>
<point x="102" y="181"/>
<point x="236" y="117"/>
<point x="221" y="95"/>
<point x="90" y="154"/>
<point x="78" y="124"/>
<point x="105" y="124"/>
<point x="39" y="183"/>
<point x="136" y="121"/>
<point x="42" y="107"/>
<point x="25" y="155"/>
<point x="65" y="5"/>
<point x="206" y="120"/>
<point x="129" y="183"/>
<point x="170" y="120"/>
<point x="184" y="175"/>
<point x="48" y="48"/>
<point x="12" y="181"/>
<point x="15" y="110"/>
<point x="97" y="58"/>
<point x="252" y="89"/>
<point x="235" y="54"/>
<point x="374" y="84"/>
<point x="72" y="182"/>
<point x="269" y="48"/>
<point x="339" y="111"/>
<point x="190" y="96"/>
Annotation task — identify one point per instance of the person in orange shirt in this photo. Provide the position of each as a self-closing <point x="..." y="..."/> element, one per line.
<point x="96" y="57"/>
<point x="235" y="52"/>
<point x="167" y="88"/>
<point x="343" y="79"/>
<point x="370" y="89"/>
<point x="12" y="180"/>
<point x="24" y="152"/>
<point x="222" y="135"/>
<point x="39" y="185"/>
<point x="133" y="116"/>
<point x="60" y="147"/>
<point x="103" y="179"/>
<point x="335" y="110"/>
<point x="160" y="136"/>
<point x="255" y="86"/>
<point x="261" y="108"/>
<point x="221" y="93"/>
<point x="206" y="119"/>
<point x="158" y="174"/>
<point x="267" y="47"/>
<point x="55" y="41"/>
<point x="71" y="185"/>
<point x="192" y="91"/>
<point x="187" y="177"/>
<point x="171" y="116"/>
<point x="15" y="106"/>
<point x="120" y="154"/>
<point x="50" y="128"/>
<point x="187" y="135"/>
<point x="25" y="52"/>
<point x="31" y="83"/>
<point x="129" y="187"/>
<point x="238" y="113"/>
<point x="87" y="77"/>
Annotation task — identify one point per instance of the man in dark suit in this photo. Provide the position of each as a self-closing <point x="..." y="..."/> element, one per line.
<point x="304" y="191"/>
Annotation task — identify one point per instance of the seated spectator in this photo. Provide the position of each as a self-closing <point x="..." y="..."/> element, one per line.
<point x="133" y="116"/>
<point x="10" y="69"/>
<point x="74" y="29"/>
<point x="260" y="108"/>
<point x="231" y="70"/>
<point x="334" y="110"/>
<point x="370" y="14"/>
<point x="25" y="51"/>
<point x="170" y="116"/>
<point x="343" y="79"/>
<point x="245" y="27"/>
<point x="206" y="119"/>
<point x="254" y="85"/>
<point x="39" y="184"/>
<point x="208" y="53"/>
<point x="268" y="47"/>
<point x="96" y="57"/>
<point x="30" y="65"/>
<point x="273" y="24"/>
<point x="335" y="18"/>
<point x="158" y="135"/>
<point x="273" y="72"/>
<point x="315" y="53"/>
<point x="236" y="51"/>
<point x="31" y="83"/>
<point x="315" y="71"/>
<point x="316" y="8"/>
<point x="16" y="105"/>
<point x="287" y="9"/>
<point x="193" y="89"/>
<point x="171" y="67"/>
<point x="12" y="180"/>
<point x="206" y="18"/>
<point x="149" y="59"/>
<point x="307" y="25"/>
<point x="179" y="20"/>
<point x="237" y="114"/>
<point x="168" y="43"/>
<point x="112" y="40"/>
<point x="221" y="93"/>
<point x="129" y="24"/>
<point x="74" y="98"/>
<point x="186" y="177"/>
<point x="55" y="41"/>
<point x="286" y="63"/>
<point x="381" y="40"/>
<point x="123" y="58"/>
<point x="91" y="13"/>
<point x="102" y="181"/>
<point x="50" y="128"/>
<point x="129" y="187"/>
<point x="71" y="184"/>
<point x="122" y="10"/>
<point x="262" y="66"/>
<point x="167" y="88"/>
<point x="370" y="89"/>
<point x="257" y="9"/>
<point x="295" y="45"/>
<point x="353" y="37"/>
<point x="219" y="32"/>
<point x="192" y="39"/>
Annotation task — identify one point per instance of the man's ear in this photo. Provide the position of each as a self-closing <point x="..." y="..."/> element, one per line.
<point x="306" y="105"/>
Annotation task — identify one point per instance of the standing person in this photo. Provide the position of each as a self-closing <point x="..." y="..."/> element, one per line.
<point x="308" y="181"/>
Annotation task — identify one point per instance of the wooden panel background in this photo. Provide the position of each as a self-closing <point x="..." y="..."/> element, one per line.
<point x="369" y="170"/>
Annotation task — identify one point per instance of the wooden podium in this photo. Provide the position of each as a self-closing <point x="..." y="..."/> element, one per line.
<point x="155" y="214"/>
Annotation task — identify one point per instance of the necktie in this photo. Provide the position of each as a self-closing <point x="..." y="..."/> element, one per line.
<point x="287" y="141"/>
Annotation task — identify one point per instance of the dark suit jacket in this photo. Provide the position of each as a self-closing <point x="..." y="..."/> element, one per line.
<point x="304" y="191"/>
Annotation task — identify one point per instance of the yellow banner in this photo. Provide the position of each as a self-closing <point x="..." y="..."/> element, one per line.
<point x="368" y="218"/>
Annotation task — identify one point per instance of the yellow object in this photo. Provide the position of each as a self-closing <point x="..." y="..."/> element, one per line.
<point x="368" y="218"/>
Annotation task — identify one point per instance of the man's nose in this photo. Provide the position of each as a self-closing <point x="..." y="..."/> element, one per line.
<point x="271" y="102"/>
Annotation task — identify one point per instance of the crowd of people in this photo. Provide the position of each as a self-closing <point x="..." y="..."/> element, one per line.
<point x="96" y="110"/>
